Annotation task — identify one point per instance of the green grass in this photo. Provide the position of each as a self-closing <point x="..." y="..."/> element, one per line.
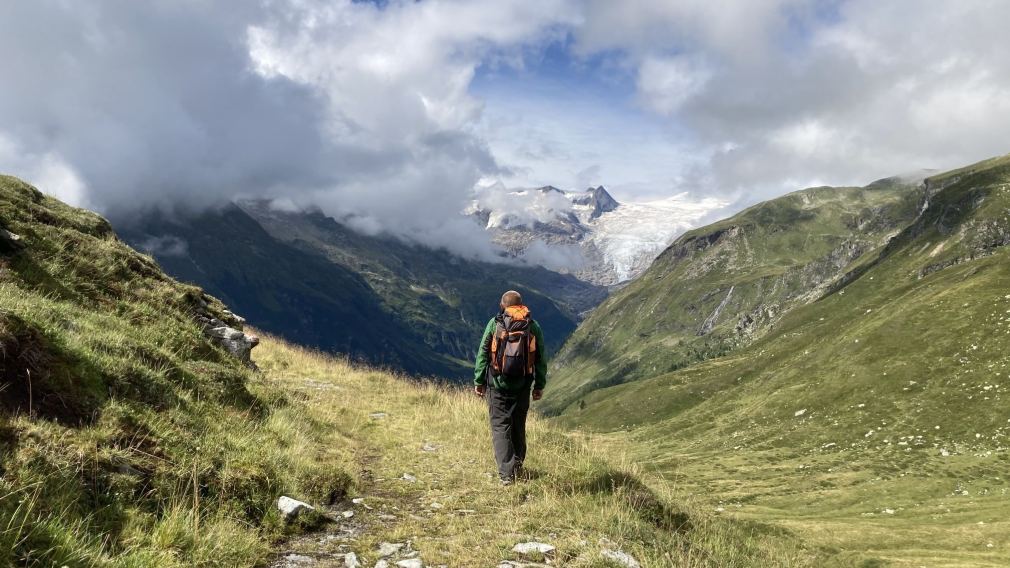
<point x="872" y="421"/>
<point x="128" y="440"/>
<point x="720" y="287"/>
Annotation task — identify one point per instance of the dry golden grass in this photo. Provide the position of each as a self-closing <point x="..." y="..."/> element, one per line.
<point x="576" y="498"/>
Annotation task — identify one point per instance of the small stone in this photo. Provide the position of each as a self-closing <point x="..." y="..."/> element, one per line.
<point x="351" y="560"/>
<point x="387" y="549"/>
<point x="528" y="548"/>
<point x="620" y="557"/>
<point x="410" y="563"/>
<point x="428" y="447"/>
<point x="436" y="505"/>
<point x="409" y="478"/>
<point x="377" y="415"/>
<point x="298" y="559"/>
<point x="347" y="514"/>
<point x="382" y="563"/>
<point x="291" y="508"/>
<point x="358" y="500"/>
<point x="387" y="517"/>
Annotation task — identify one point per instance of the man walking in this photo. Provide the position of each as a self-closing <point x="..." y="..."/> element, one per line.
<point x="510" y="361"/>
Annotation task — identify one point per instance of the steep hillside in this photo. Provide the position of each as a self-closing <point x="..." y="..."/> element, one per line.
<point x="874" y="419"/>
<point x="313" y="281"/>
<point x="128" y="438"/>
<point x="722" y="286"/>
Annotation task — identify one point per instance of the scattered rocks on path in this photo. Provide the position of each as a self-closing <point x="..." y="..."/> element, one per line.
<point x="298" y="560"/>
<point x="351" y="560"/>
<point x="410" y="563"/>
<point x="291" y="508"/>
<point x="620" y="557"/>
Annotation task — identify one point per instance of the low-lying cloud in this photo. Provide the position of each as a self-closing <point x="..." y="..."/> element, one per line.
<point x="367" y="109"/>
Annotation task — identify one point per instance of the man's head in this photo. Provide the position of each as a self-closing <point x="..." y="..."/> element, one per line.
<point x="511" y="298"/>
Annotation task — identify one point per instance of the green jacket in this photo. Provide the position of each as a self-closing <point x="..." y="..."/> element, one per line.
<point x="480" y="367"/>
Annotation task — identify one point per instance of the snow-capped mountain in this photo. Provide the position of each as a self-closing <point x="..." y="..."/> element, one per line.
<point x="586" y="233"/>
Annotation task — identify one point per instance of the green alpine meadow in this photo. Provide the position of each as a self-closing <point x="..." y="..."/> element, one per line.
<point x="504" y="284"/>
<point x="130" y="438"/>
<point x="867" y="416"/>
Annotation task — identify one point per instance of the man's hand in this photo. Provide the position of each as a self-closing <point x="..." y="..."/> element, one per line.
<point x="479" y="390"/>
<point x="538" y="394"/>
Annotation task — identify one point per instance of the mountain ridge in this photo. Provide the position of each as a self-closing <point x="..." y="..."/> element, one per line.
<point x="308" y="278"/>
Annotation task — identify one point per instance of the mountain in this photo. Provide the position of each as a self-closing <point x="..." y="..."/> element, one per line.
<point x="869" y="413"/>
<point x="722" y="286"/>
<point x="588" y="234"/>
<point x="308" y="278"/>
<point x="131" y="436"/>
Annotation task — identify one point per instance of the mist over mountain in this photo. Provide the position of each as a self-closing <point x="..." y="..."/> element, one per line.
<point x="304" y="276"/>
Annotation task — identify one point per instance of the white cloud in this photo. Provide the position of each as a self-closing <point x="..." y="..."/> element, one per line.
<point x="372" y="112"/>
<point x="666" y="83"/>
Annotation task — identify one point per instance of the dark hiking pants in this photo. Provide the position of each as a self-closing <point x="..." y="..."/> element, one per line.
<point x="508" y="412"/>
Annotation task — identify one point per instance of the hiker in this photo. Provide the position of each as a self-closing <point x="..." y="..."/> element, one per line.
<point x="510" y="361"/>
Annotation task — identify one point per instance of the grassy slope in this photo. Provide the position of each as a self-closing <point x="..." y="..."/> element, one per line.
<point x="750" y="268"/>
<point x="126" y="439"/>
<point x="873" y="420"/>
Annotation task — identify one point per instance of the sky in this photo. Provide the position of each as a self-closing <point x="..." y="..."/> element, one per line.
<point x="388" y="114"/>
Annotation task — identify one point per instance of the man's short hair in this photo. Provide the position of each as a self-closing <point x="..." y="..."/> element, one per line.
<point x="511" y="298"/>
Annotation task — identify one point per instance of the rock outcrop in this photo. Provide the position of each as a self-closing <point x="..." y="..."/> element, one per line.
<point x="227" y="334"/>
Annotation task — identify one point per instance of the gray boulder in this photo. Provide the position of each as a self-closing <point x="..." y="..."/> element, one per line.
<point x="529" y="548"/>
<point x="238" y="343"/>
<point x="291" y="508"/>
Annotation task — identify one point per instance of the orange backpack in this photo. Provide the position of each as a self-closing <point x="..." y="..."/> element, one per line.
<point x="513" y="347"/>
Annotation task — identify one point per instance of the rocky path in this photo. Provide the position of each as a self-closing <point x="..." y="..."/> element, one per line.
<point x="418" y="489"/>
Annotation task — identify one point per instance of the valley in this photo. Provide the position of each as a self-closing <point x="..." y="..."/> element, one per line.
<point x="870" y="418"/>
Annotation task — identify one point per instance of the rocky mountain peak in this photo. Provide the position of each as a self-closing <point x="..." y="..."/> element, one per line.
<point x="602" y="201"/>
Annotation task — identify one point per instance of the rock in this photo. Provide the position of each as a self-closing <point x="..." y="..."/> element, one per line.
<point x="409" y="478"/>
<point x="234" y="317"/>
<point x="236" y="342"/>
<point x="436" y="505"/>
<point x="427" y="447"/>
<point x="382" y="564"/>
<point x="347" y="514"/>
<point x="620" y="557"/>
<point x="377" y="415"/>
<point x="351" y="560"/>
<point x="528" y="548"/>
<point x="298" y="560"/>
<point x="291" y="508"/>
<point x="410" y="563"/>
<point x="9" y="242"/>
<point x="387" y="549"/>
